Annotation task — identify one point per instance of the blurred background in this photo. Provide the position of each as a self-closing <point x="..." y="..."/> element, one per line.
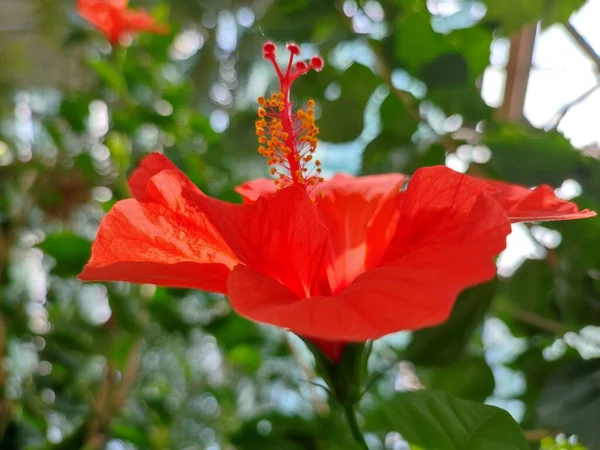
<point x="506" y="89"/>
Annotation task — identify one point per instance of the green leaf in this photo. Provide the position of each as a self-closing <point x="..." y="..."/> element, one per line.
<point x="538" y="370"/>
<point x="395" y="118"/>
<point x="531" y="288"/>
<point x="445" y="343"/>
<point x="304" y="21"/>
<point x="120" y="148"/>
<point x="245" y="356"/>
<point x="559" y="11"/>
<point x="386" y="152"/>
<point x="416" y="41"/>
<point x="70" y="251"/>
<point x="434" y="420"/>
<point x="512" y="15"/>
<point x="469" y="377"/>
<point x="393" y="150"/>
<point x="74" y="108"/>
<point x="109" y="75"/>
<point x="581" y="235"/>
<point x="543" y="157"/>
<point x="449" y="64"/>
<point x="343" y="119"/>
<point x="570" y="402"/>
<point x="452" y="77"/>
<point x="274" y="431"/>
<point x="447" y="70"/>
<point x="231" y="330"/>
<point x="164" y="310"/>
<point x="474" y="45"/>
<point x="127" y="432"/>
<point x="464" y="100"/>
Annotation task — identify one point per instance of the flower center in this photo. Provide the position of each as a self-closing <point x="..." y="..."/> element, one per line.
<point x="288" y="137"/>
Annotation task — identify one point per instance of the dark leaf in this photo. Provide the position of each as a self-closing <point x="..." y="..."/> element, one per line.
<point x="570" y="401"/>
<point x="342" y="120"/>
<point x="469" y="377"/>
<point x="445" y="343"/>
<point x="543" y="157"/>
<point x="434" y="420"/>
<point x="70" y="251"/>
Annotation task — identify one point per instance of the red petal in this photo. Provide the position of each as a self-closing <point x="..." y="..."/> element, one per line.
<point x="540" y="204"/>
<point x="96" y="13"/>
<point x="415" y="290"/>
<point x="148" y="243"/>
<point x="251" y="190"/>
<point x="166" y="240"/>
<point x="151" y="165"/>
<point x="280" y="235"/>
<point x="361" y="215"/>
<point x="113" y="18"/>
<point x="435" y="206"/>
<point x="137" y="20"/>
<point x="104" y="16"/>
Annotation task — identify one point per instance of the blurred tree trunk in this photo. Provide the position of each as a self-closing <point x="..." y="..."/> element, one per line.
<point x="517" y="75"/>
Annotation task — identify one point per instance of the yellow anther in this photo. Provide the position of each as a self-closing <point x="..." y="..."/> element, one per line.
<point x="287" y="141"/>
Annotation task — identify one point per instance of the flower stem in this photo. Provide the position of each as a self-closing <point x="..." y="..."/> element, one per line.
<point x="357" y="434"/>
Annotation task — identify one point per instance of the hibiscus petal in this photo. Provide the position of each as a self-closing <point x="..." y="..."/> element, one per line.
<point x="361" y="214"/>
<point x="279" y="235"/>
<point x="113" y="18"/>
<point x="415" y="290"/>
<point x="540" y="204"/>
<point x="405" y="296"/>
<point x="105" y="16"/>
<point x="434" y="209"/>
<point x="151" y="165"/>
<point x="251" y="190"/>
<point x="166" y="240"/>
<point x="97" y="13"/>
<point x="149" y="243"/>
<point x="137" y="20"/>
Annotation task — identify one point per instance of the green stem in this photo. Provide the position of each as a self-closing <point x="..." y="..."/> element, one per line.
<point x="357" y="434"/>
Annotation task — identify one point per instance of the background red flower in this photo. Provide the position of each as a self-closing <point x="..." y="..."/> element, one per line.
<point x="115" y="19"/>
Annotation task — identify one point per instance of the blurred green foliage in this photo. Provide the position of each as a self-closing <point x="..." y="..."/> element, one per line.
<point x="137" y="367"/>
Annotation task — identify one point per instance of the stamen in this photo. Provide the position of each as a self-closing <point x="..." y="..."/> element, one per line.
<point x="288" y="138"/>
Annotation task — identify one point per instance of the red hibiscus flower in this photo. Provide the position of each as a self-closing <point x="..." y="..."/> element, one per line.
<point x="114" y="19"/>
<point x="538" y="205"/>
<point x="340" y="260"/>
